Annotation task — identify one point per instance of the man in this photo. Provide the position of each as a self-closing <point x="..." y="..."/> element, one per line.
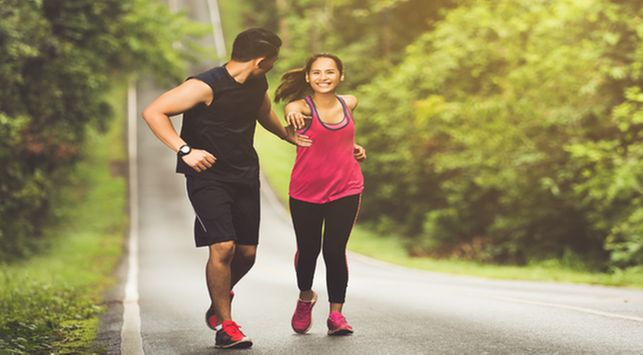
<point x="215" y="152"/>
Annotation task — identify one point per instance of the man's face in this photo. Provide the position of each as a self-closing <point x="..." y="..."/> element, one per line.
<point x="264" y="65"/>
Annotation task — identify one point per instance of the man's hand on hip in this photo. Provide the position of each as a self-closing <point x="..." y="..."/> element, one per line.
<point x="199" y="160"/>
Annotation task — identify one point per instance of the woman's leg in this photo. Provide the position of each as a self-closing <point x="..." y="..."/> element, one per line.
<point x="307" y="220"/>
<point x="340" y="216"/>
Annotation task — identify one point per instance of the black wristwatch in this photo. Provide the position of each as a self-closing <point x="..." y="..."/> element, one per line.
<point x="183" y="150"/>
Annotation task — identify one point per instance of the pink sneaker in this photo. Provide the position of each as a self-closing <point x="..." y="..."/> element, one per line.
<point x="302" y="320"/>
<point x="337" y="324"/>
<point x="211" y="317"/>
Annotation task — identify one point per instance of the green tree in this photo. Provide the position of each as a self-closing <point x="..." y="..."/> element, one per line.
<point x="57" y="59"/>
<point x="513" y="131"/>
<point x="369" y="35"/>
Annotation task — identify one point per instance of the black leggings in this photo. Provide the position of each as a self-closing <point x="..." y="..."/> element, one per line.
<point x="337" y="218"/>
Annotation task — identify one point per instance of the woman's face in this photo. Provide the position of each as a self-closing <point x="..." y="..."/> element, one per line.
<point x="324" y="76"/>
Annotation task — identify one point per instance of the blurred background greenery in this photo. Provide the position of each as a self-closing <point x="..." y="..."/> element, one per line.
<point x="64" y="68"/>
<point x="497" y="131"/>
<point x="504" y="131"/>
<point x="58" y="60"/>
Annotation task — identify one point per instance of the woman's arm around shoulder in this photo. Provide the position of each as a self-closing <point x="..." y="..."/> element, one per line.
<point x="296" y="113"/>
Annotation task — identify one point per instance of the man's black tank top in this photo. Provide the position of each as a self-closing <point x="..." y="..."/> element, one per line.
<point x="226" y="127"/>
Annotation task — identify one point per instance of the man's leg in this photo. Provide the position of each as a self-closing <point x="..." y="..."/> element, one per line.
<point x="213" y="227"/>
<point x="242" y="262"/>
<point x="245" y="217"/>
<point x="219" y="276"/>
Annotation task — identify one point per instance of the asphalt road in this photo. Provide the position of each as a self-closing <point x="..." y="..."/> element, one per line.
<point x="393" y="310"/>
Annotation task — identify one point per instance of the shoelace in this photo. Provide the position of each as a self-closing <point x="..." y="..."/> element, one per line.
<point x="303" y="308"/>
<point x="232" y="329"/>
<point x="339" y="320"/>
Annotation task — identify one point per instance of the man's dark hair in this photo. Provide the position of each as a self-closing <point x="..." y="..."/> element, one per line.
<point x="254" y="43"/>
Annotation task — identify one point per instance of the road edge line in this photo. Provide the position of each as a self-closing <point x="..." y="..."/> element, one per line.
<point x="217" y="28"/>
<point x="131" y="340"/>
<point x="573" y="308"/>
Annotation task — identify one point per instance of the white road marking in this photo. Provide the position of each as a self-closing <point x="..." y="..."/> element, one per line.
<point x="573" y="308"/>
<point x="131" y="340"/>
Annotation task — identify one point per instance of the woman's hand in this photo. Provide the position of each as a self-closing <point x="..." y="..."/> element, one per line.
<point x="297" y="119"/>
<point x="297" y="139"/>
<point x="199" y="160"/>
<point x="359" y="152"/>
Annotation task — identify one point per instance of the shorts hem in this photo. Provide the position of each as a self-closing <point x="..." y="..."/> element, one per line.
<point x="209" y="243"/>
<point x="247" y="243"/>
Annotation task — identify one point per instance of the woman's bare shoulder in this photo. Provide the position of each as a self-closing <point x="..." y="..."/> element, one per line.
<point x="350" y="100"/>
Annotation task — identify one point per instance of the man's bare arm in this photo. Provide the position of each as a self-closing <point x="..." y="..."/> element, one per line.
<point x="269" y="120"/>
<point x="178" y="100"/>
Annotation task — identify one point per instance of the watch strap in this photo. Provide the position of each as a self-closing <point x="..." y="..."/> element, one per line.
<point x="181" y="151"/>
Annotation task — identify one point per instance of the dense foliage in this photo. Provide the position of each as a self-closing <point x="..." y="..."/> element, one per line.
<point x="497" y="130"/>
<point x="375" y="30"/>
<point x="57" y="58"/>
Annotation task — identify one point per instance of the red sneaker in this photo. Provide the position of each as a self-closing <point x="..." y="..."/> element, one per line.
<point x="211" y="317"/>
<point x="302" y="319"/>
<point x="337" y="324"/>
<point x="230" y="336"/>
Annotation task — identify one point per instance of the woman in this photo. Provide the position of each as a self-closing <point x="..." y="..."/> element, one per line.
<point x="326" y="183"/>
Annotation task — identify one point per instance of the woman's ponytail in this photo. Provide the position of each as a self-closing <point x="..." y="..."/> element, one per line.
<point x="293" y="85"/>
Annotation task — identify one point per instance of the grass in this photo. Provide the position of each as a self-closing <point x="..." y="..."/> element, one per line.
<point x="391" y="249"/>
<point x="50" y="303"/>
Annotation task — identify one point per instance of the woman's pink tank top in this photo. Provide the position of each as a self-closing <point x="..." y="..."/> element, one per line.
<point x="327" y="170"/>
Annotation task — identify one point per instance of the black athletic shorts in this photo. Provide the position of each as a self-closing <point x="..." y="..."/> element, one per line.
<point x="224" y="210"/>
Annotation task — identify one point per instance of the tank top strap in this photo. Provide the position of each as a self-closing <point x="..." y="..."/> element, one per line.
<point x="311" y="106"/>
<point x="313" y="113"/>
<point x="347" y="111"/>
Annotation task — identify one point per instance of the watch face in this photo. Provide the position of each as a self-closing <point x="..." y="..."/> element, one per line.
<point x="185" y="149"/>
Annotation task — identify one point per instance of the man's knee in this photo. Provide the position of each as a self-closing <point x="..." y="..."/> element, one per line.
<point x="222" y="252"/>
<point x="246" y="253"/>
